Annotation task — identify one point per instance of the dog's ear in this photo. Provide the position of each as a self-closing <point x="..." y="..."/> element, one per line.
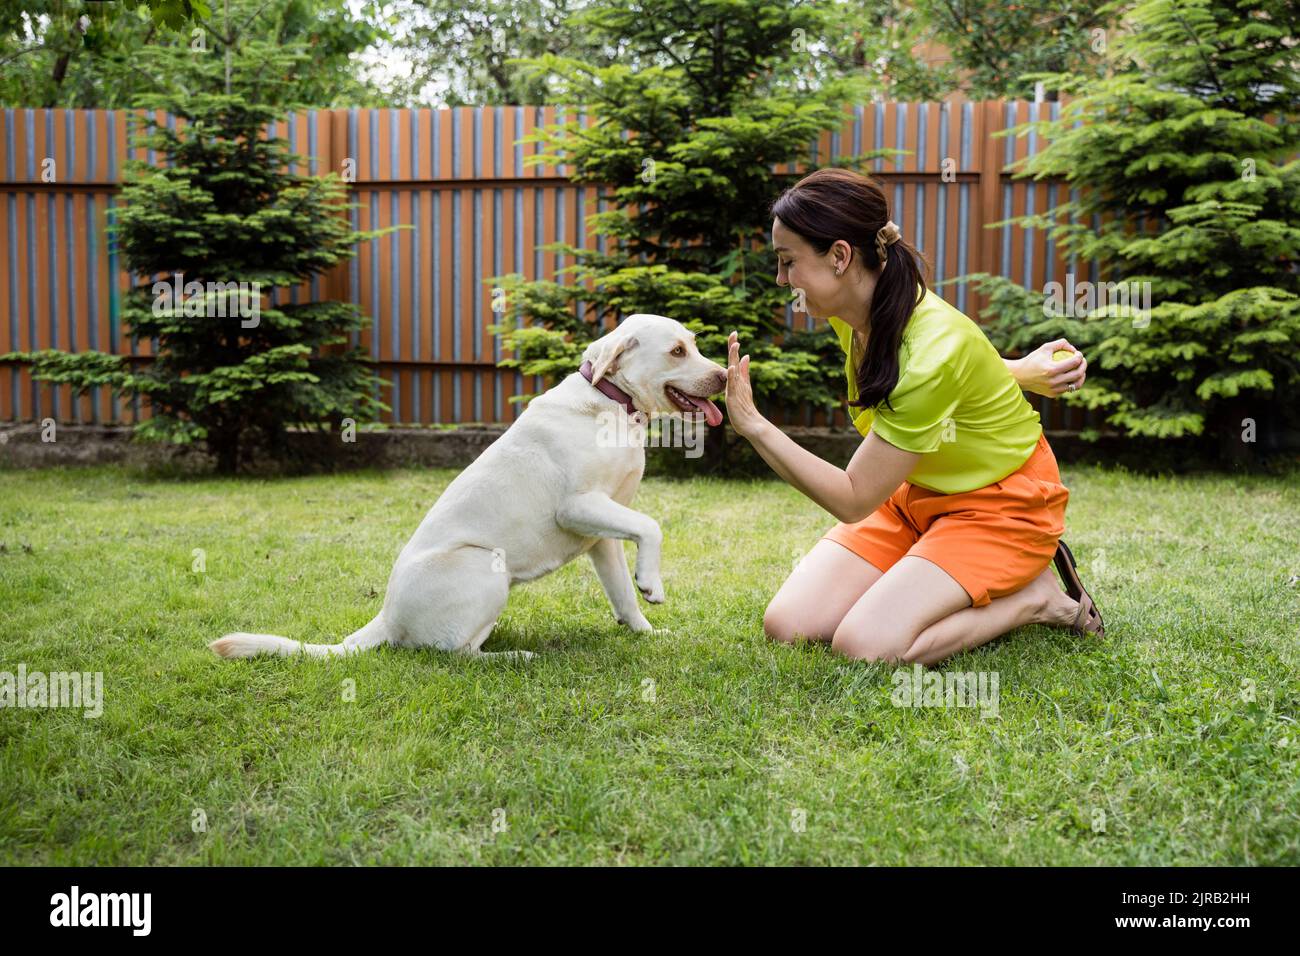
<point x="606" y="352"/>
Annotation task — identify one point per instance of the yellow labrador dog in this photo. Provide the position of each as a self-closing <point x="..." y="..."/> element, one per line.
<point x="551" y="488"/>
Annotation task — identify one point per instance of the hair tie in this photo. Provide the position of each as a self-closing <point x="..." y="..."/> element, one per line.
<point x="886" y="236"/>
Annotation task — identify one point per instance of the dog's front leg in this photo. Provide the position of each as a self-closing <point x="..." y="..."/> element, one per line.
<point x="611" y="567"/>
<point x="598" y="515"/>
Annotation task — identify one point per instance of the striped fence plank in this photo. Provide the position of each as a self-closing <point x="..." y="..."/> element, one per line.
<point x="458" y="177"/>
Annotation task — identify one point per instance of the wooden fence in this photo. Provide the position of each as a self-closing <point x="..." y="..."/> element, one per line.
<point x="458" y="177"/>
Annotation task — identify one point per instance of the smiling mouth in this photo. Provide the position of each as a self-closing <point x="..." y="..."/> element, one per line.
<point x="694" y="403"/>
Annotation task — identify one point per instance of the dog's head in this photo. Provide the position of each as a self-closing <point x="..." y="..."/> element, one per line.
<point x="654" y="359"/>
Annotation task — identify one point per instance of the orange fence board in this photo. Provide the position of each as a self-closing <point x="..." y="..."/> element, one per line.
<point x="458" y="177"/>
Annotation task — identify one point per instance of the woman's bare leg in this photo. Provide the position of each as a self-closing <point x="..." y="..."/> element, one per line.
<point x="917" y="612"/>
<point x="815" y="597"/>
<point x="908" y="598"/>
<point x="1040" y="602"/>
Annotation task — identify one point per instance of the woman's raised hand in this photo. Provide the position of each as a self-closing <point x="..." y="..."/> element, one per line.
<point x="744" y="416"/>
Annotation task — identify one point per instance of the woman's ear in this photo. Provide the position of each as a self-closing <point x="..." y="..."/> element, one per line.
<point x="604" y="353"/>
<point x="845" y="255"/>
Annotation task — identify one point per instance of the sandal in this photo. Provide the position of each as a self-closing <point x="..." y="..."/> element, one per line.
<point x="1088" y="620"/>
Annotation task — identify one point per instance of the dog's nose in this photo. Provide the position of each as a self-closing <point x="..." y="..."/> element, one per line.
<point x="719" y="380"/>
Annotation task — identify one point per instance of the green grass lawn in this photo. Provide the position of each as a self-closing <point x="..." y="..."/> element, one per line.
<point x="705" y="745"/>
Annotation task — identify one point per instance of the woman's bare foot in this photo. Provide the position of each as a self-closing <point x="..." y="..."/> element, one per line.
<point x="1055" y="607"/>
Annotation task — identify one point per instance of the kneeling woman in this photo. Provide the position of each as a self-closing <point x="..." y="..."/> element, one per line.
<point x="952" y="509"/>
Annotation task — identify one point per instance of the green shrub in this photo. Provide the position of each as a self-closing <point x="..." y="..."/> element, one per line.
<point x="224" y="221"/>
<point x="1195" y="131"/>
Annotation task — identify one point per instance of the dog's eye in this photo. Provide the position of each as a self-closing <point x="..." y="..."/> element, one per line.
<point x="679" y="351"/>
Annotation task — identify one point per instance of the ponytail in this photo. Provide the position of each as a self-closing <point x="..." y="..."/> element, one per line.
<point x="898" y="291"/>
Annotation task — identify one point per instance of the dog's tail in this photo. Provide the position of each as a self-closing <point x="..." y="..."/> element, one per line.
<point x="250" y="645"/>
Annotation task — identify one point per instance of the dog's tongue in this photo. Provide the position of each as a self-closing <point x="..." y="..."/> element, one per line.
<point x="712" y="414"/>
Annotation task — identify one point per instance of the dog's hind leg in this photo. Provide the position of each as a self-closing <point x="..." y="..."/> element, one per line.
<point x="472" y="649"/>
<point x="449" y="600"/>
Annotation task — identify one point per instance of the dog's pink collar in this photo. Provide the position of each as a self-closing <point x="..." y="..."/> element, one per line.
<point x="606" y="387"/>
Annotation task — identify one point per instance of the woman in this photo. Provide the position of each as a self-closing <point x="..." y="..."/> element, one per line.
<point x="951" y="510"/>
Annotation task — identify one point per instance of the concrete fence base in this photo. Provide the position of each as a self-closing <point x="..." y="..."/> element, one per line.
<point x="29" y="446"/>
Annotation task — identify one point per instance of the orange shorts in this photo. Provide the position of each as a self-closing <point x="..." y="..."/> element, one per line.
<point x="992" y="541"/>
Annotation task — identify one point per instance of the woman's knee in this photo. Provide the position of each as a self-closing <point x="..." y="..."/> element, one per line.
<point x="778" y="623"/>
<point x="787" y="622"/>
<point x="863" y="642"/>
<point x="818" y="593"/>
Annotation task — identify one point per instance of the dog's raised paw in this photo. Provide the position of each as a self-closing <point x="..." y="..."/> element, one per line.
<point x="651" y="588"/>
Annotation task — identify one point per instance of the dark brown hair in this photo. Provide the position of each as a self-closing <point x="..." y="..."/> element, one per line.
<point x="832" y="204"/>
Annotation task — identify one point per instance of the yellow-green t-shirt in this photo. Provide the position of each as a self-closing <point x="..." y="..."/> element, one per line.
<point x="956" y="402"/>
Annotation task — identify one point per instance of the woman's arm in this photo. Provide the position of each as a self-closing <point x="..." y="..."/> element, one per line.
<point x="1038" y="373"/>
<point x="874" y="473"/>
<point x="876" y="470"/>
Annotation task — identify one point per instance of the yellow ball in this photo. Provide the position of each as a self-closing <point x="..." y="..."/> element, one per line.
<point x="1061" y="354"/>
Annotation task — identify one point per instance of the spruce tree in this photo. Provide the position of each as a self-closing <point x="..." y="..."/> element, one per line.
<point x="222" y="219"/>
<point x="1187" y="152"/>
<point x="683" y="138"/>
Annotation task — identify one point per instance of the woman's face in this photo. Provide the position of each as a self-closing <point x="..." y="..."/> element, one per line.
<point x="801" y="267"/>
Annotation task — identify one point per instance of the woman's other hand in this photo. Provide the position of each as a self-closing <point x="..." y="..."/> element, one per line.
<point x="1037" y="372"/>
<point x="744" y="416"/>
